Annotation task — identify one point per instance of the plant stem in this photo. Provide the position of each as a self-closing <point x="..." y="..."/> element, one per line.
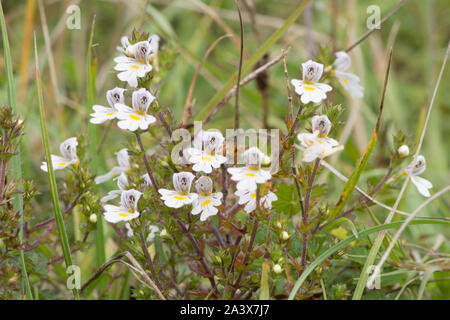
<point x="199" y="253"/>
<point x="238" y="82"/>
<point x="148" y="259"/>
<point x="147" y="165"/>
<point x="305" y="214"/>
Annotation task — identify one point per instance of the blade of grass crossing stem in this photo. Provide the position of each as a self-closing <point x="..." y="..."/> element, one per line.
<point x="353" y="180"/>
<point x="51" y="175"/>
<point x="93" y="142"/>
<point x="16" y="168"/>
<point x="361" y="234"/>
<point x="248" y="65"/>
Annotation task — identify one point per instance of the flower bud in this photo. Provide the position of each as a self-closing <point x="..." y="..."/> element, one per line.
<point x="277" y="269"/>
<point x="403" y="151"/>
<point x="93" y="218"/>
<point x="279" y="226"/>
<point x="284" y="235"/>
<point x="266" y="160"/>
<point x="164" y="234"/>
<point x="217" y="259"/>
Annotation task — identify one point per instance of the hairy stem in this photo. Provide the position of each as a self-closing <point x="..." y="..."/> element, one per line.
<point x="147" y="165"/>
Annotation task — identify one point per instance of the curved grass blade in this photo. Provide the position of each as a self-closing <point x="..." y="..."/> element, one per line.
<point x="51" y="175"/>
<point x="353" y="180"/>
<point x="16" y="168"/>
<point x="350" y="239"/>
<point x="249" y="64"/>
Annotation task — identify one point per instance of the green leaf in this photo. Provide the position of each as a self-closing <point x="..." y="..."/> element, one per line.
<point x="287" y="199"/>
<point x="264" y="293"/>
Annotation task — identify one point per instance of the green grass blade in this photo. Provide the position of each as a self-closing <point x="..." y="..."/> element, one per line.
<point x="51" y="175"/>
<point x="93" y="135"/>
<point x="426" y="277"/>
<point x="348" y="240"/>
<point x="249" y="64"/>
<point x="16" y="168"/>
<point x="353" y="180"/>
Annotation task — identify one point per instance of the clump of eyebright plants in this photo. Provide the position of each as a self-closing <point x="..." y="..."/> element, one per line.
<point x="214" y="219"/>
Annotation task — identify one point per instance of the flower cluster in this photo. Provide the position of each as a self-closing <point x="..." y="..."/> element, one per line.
<point x="248" y="177"/>
<point x="130" y="118"/>
<point x="134" y="63"/>
<point x="317" y="143"/>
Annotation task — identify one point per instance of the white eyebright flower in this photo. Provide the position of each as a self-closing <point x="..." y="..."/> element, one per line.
<point x="127" y="209"/>
<point x="123" y="160"/>
<point x="248" y="176"/>
<point x="207" y="150"/>
<point x="248" y="197"/>
<point x="349" y="81"/>
<point x="207" y="201"/>
<point x="309" y="88"/>
<point x="317" y="144"/>
<point x="130" y="50"/>
<point x="122" y="183"/>
<point x="181" y="195"/>
<point x="137" y="66"/>
<point x="417" y="167"/>
<point x="101" y="113"/>
<point x="136" y="117"/>
<point x="68" y="150"/>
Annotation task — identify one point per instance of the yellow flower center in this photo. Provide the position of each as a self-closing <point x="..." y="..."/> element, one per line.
<point x="204" y="195"/>
<point x="141" y="61"/>
<point x="344" y="80"/>
<point x="133" y="117"/>
<point x="253" y="195"/>
<point x="179" y="198"/>
<point x="207" y="159"/>
<point x="123" y="215"/>
<point x="130" y="211"/>
<point x="134" y="67"/>
<point x="205" y="203"/>
<point x="110" y="113"/>
<point x="249" y="174"/>
<point x="62" y="163"/>
<point x="309" y="88"/>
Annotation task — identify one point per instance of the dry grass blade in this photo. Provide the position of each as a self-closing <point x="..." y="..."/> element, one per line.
<point x="238" y="81"/>
<point x="217" y="98"/>
<point x="188" y="106"/>
<point x="370" y="31"/>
